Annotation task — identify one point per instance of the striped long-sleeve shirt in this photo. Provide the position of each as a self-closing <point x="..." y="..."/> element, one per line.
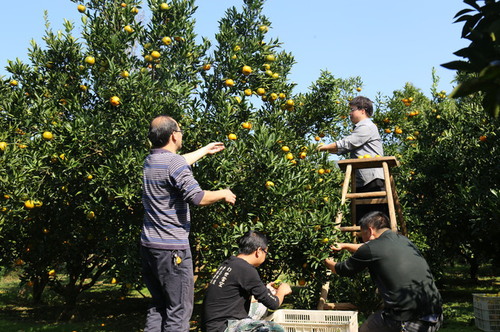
<point x="168" y="188"/>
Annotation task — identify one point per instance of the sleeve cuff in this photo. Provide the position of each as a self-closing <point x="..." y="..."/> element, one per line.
<point x="198" y="197"/>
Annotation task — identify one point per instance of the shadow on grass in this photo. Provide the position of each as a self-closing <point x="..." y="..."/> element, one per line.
<point x="105" y="309"/>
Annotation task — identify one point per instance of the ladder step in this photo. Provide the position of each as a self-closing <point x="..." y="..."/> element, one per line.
<point x="369" y="201"/>
<point x="368" y="194"/>
<point x="350" y="228"/>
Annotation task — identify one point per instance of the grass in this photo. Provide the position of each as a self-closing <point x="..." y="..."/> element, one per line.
<point x="106" y="309"/>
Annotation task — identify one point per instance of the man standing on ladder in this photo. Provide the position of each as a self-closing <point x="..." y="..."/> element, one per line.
<point x="363" y="140"/>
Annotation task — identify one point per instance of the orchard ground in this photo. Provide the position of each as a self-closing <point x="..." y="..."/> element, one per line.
<point x="108" y="308"/>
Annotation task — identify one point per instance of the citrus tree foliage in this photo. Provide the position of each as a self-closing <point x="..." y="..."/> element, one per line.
<point x="74" y="124"/>
<point x="482" y="28"/>
<point x="448" y="181"/>
<point x="284" y="186"/>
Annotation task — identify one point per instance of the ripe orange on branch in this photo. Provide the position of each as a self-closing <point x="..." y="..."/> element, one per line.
<point x="90" y="60"/>
<point x="47" y="135"/>
<point x="246" y="70"/>
<point x="115" y="100"/>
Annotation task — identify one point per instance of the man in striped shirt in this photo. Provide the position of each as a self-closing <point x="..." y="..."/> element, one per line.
<point x="168" y="189"/>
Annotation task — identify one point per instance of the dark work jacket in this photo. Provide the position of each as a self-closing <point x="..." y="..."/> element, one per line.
<point x="401" y="274"/>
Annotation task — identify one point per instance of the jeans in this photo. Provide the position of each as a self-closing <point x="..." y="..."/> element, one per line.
<point x="171" y="285"/>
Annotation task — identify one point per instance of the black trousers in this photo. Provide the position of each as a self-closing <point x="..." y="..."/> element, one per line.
<point x="361" y="210"/>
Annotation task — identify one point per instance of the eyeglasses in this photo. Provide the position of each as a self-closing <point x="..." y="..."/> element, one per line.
<point x="264" y="250"/>
<point x="355" y="109"/>
<point x="180" y="131"/>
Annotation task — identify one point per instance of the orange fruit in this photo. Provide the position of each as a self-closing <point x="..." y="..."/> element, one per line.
<point x="261" y="91"/>
<point x="207" y="66"/>
<point x="166" y="40"/>
<point x="387" y="131"/>
<point x="269" y="184"/>
<point x="264" y="28"/>
<point x="321" y="171"/>
<point x="52" y="273"/>
<point x="398" y="131"/>
<point x="91" y="215"/>
<point x="285" y="148"/>
<point x="302" y="282"/>
<point x="3" y="146"/>
<point x="270" y="58"/>
<point x="90" y="60"/>
<point x="114" y="100"/>
<point x="248" y="92"/>
<point x="128" y="28"/>
<point x="302" y="155"/>
<point x="47" y="135"/>
<point x="246" y="125"/>
<point x="155" y="54"/>
<point x="483" y="138"/>
<point x="29" y="204"/>
<point x="232" y="137"/>
<point x="164" y="6"/>
<point x="246" y="70"/>
<point x="81" y="8"/>
<point x="124" y="74"/>
<point x="229" y="82"/>
<point x="289" y="156"/>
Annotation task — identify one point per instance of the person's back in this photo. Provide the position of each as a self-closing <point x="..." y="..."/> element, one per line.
<point x="402" y="275"/>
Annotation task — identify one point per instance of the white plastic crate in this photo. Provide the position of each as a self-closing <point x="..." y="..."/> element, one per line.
<point x="294" y="320"/>
<point x="487" y="311"/>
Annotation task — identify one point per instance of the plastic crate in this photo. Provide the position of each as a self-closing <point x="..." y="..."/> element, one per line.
<point x="487" y="311"/>
<point x="294" y="320"/>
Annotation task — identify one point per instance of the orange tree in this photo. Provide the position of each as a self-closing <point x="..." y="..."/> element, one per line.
<point x="449" y="176"/>
<point x="74" y="124"/>
<point x="284" y="186"/>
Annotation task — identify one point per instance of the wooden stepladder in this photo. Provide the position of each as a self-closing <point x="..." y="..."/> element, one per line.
<point x="389" y="196"/>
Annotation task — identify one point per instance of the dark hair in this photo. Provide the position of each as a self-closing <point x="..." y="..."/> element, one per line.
<point x="375" y="219"/>
<point x="160" y="130"/>
<point x="251" y="241"/>
<point x="362" y="103"/>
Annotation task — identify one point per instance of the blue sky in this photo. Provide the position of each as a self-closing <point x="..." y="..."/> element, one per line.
<point x="387" y="43"/>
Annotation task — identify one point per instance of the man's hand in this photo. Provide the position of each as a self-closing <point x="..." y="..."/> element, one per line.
<point x="229" y="196"/>
<point x="330" y="263"/>
<point x="284" y="289"/>
<point x="337" y="247"/>
<point x="214" y="147"/>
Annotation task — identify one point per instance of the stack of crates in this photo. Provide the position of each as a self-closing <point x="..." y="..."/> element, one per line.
<point x="487" y="311"/>
<point x="294" y="320"/>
